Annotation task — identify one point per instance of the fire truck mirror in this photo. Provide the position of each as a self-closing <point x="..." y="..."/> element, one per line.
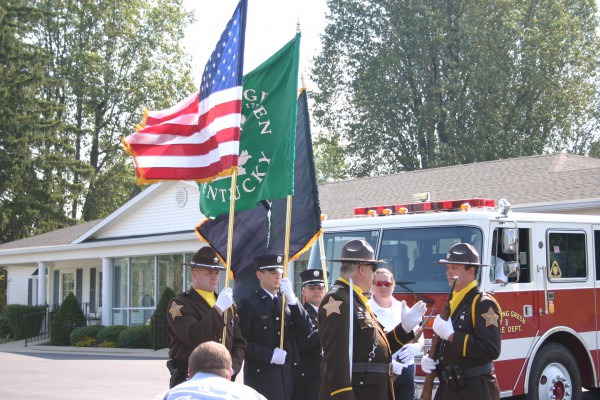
<point x="510" y="241"/>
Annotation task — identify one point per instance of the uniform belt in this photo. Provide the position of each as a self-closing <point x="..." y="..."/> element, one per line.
<point x="372" y="368"/>
<point x="479" y="370"/>
<point x="468" y="373"/>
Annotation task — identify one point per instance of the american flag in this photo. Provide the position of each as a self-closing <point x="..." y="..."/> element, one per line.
<point x="198" y="138"/>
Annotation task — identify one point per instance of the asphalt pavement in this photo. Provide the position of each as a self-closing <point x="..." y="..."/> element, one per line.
<point x="42" y="371"/>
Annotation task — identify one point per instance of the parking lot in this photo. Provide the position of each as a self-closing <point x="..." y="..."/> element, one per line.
<point x="68" y="373"/>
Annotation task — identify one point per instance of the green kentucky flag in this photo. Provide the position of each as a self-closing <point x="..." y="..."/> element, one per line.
<point x="267" y="138"/>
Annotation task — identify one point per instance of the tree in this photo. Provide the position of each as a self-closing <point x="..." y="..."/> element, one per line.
<point x="68" y="317"/>
<point x="452" y="81"/>
<point x="29" y="203"/>
<point x="114" y="58"/>
<point x="76" y="77"/>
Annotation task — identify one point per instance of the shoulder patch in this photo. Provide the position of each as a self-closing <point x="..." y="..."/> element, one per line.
<point x="332" y="307"/>
<point x="490" y="317"/>
<point x="175" y="310"/>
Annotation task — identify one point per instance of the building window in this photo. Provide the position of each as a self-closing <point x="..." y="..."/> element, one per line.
<point x="68" y="284"/>
<point x="170" y="273"/>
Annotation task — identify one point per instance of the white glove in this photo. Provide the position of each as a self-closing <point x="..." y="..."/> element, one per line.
<point x="413" y="315"/>
<point x="407" y="353"/>
<point x="286" y="288"/>
<point x="443" y="329"/>
<point x="225" y="299"/>
<point x="397" y="367"/>
<point x="278" y="356"/>
<point x="428" y="364"/>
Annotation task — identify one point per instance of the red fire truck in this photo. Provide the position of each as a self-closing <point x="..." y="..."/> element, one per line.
<point x="544" y="272"/>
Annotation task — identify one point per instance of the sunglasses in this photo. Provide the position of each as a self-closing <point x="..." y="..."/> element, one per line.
<point x="382" y="283"/>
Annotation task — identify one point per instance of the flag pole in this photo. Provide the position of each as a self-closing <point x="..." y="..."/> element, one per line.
<point x="288" y="228"/>
<point x="322" y="248"/>
<point x="229" y="242"/>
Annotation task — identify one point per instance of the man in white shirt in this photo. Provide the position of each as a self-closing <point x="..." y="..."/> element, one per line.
<point x="210" y="371"/>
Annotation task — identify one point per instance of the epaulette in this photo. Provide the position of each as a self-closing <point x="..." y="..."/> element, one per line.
<point x="484" y="296"/>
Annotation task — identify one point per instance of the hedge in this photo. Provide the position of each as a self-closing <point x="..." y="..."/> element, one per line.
<point x="89" y="331"/>
<point x="68" y="317"/>
<point x="134" y="337"/>
<point x="14" y="315"/>
<point x="109" y="334"/>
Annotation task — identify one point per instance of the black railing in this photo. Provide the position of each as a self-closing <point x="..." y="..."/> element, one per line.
<point x="37" y="325"/>
<point x="158" y="331"/>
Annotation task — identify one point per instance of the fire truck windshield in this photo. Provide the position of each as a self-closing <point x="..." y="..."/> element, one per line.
<point x="412" y="254"/>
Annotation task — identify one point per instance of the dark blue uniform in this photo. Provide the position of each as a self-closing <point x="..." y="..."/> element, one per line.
<point x="260" y="323"/>
<point x="309" y="379"/>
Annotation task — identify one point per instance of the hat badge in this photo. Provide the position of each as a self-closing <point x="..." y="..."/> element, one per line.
<point x="316" y="273"/>
<point x="215" y="260"/>
<point x="279" y="258"/>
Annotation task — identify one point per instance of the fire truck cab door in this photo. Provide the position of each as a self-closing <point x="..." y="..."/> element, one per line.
<point x="516" y="296"/>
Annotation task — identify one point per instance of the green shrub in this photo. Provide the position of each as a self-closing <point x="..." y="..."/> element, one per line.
<point x="108" y="345"/>
<point x="158" y="323"/>
<point x="4" y="327"/>
<point x="110" y="334"/>
<point x="90" y="331"/>
<point x="68" y="317"/>
<point x="14" y="315"/>
<point x="134" y="337"/>
<point x="86" y="342"/>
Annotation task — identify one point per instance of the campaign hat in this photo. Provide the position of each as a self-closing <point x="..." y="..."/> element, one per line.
<point x="358" y="251"/>
<point x="205" y="258"/>
<point x="269" y="262"/>
<point x="312" y="277"/>
<point x="462" y="253"/>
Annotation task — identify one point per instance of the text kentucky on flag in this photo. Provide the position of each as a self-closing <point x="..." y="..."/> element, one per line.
<point x="198" y="138"/>
<point x="262" y="230"/>
<point x="267" y="142"/>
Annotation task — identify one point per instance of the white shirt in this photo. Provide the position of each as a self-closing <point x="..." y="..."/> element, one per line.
<point x="499" y="269"/>
<point x="203" y="386"/>
<point x="390" y="317"/>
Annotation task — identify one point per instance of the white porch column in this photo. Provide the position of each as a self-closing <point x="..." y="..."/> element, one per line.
<point x="107" y="280"/>
<point x="42" y="282"/>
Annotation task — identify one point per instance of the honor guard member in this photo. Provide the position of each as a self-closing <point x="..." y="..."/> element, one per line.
<point x="196" y="316"/>
<point x="357" y="353"/>
<point x="471" y="336"/>
<point x="309" y="380"/>
<point x="269" y="369"/>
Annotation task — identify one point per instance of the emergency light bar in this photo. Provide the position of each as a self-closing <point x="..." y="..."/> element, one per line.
<point x="419" y="207"/>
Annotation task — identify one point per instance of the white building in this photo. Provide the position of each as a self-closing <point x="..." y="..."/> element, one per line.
<point x="119" y="266"/>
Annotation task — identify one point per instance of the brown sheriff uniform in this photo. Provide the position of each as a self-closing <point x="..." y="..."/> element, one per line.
<point x="191" y="321"/>
<point x="475" y="345"/>
<point x="372" y="349"/>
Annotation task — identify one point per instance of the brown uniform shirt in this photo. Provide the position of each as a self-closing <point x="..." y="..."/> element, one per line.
<point x="372" y="349"/>
<point x="191" y="321"/>
<point x="476" y="342"/>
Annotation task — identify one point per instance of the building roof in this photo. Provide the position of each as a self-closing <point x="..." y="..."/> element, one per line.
<point x="544" y="179"/>
<point x="559" y="177"/>
<point x="55" y="238"/>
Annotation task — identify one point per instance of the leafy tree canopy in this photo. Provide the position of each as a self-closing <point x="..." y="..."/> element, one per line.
<point x="77" y="76"/>
<point x="427" y="83"/>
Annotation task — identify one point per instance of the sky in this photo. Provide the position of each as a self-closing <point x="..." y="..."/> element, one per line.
<point x="270" y="25"/>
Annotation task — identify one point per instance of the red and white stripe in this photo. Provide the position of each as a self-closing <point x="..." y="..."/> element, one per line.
<point x="192" y="140"/>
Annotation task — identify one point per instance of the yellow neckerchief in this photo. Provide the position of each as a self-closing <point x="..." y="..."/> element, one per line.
<point x="458" y="296"/>
<point x="208" y="296"/>
<point x="360" y="294"/>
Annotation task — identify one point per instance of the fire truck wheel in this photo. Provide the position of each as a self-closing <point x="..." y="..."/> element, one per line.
<point x="554" y="375"/>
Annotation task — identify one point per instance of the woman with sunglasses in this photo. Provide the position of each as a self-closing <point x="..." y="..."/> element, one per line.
<point x="388" y="311"/>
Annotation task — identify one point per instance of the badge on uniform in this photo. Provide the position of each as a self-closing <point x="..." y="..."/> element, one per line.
<point x="332" y="307"/>
<point x="491" y="318"/>
<point x="175" y="310"/>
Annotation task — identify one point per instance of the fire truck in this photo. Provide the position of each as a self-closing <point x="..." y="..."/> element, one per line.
<point x="544" y="271"/>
